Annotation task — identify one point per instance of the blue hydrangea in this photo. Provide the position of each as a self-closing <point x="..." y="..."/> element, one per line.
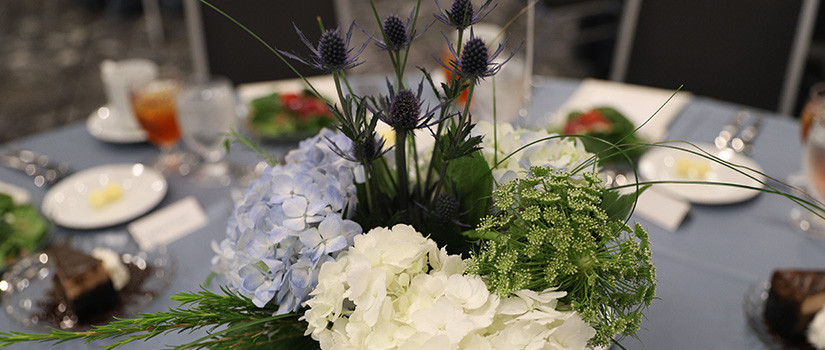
<point x="292" y="219"/>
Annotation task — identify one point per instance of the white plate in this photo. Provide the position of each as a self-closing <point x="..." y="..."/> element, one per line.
<point x="660" y="164"/>
<point x="103" y="126"/>
<point x="67" y="203"/>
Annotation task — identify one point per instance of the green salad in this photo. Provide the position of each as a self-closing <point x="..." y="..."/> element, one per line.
<point x="22" y="230"/>
<point x="289" y="115"/>
<point x="607" y="124"/>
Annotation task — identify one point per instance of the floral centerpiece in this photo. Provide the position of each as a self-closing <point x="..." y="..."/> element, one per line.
<point x="411" y="226"/>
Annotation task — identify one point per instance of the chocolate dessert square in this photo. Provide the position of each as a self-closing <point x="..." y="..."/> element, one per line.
<point x="82" y="281"/>
<point x="794" y="298"/>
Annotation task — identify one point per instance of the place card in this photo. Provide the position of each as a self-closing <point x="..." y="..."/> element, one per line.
<point x="664" y="211"/>
<point x="168" y="224"/>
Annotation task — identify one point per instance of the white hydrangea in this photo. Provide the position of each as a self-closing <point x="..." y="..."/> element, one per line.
<point x="816" y="330"/>
<point x="529" y="320"/>
<point x="560" y="152"/>
<point x="394" y="289"/>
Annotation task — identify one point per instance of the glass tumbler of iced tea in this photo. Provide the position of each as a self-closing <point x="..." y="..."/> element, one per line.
<point x="153" y="102"/>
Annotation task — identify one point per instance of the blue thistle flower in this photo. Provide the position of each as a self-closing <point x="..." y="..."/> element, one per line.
<point x="332" y="52"/>
<point x="446" y="208"/>
<point x="397" y="34"/>
<point x="462" y="14"/>
<point x="475" y="62"/>
<point x="474" y="58"/>
<point x="402" y="110"/>
<point x="333" y="49"/>
<point x="366" y="147"/>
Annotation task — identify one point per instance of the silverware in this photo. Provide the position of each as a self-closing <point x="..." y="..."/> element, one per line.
<point x="43" y="170"/>
<point x="743" y="142"/>
<point x="722" y="141"/>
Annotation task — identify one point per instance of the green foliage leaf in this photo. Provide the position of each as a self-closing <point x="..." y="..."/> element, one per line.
<point x="472" y="180"/>
<point x="6" y="203"/>
<point x="618" y="206"/>
<point x="480" y="234"/>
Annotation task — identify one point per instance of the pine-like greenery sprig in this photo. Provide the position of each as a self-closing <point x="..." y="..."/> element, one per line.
<point x="230" y="319"/>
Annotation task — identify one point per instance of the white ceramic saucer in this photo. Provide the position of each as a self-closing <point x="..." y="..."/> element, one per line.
<point x="660" y="164"/>
<point x="102" y="125"/>
<point x="68" y="203"/>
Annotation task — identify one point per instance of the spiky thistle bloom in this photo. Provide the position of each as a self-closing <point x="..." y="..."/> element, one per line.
<point x="397" y="34"/>
<point x="462" y="14"/>
<point x="475" y="62"/>
<point x="402" y="110"/>
<point x="446" y="208"/>
<point x="366" y="147"/>
<point x="332" y="53"/>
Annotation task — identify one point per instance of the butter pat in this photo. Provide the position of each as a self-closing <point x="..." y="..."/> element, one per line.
<point x="102" y="197"/>
<point x="692" y="168"/>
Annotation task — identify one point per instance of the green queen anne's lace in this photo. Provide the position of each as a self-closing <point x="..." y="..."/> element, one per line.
<point x="551" y="230"/>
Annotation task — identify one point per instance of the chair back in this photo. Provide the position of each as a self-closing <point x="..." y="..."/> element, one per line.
<point x="745" y="51"/>
<point x="222" y="47"/>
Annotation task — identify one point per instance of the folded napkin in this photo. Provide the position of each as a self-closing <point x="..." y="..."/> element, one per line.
<point x="636" y="102"/>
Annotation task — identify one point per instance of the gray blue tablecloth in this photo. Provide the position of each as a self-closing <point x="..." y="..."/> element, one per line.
<point x="704" y="268"/>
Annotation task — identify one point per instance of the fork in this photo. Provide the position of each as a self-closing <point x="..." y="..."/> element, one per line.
<point x="725" y="136"/>
<point x="43" y="170"/>
<point x="743" y="142"/>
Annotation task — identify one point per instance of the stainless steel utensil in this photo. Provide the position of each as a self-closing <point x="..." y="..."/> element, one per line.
<point x="725" y="136"/>
<point x="743" y="142"/>
<point x="43" y="170"/>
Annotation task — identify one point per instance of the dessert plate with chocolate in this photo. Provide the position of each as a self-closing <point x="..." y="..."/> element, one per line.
<point x="782" y="311"/>
<point x="73" y="287"/>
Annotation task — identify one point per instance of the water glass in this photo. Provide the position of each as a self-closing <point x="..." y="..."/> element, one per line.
<point x="812" y="123"/>
<point x="207" y="112"/>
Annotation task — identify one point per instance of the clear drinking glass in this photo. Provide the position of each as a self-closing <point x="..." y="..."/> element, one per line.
<point x="153" y="101"/>
<point x="812" y="123"/>
<point x="207" y="111"/>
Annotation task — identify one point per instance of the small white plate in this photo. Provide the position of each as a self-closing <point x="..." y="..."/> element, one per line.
<point x="662" y="164"/>
<point x="68" y="205"/>
<point x="103" y="126"/>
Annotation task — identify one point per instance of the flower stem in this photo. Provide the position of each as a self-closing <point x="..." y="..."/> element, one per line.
<point x="401" y="169"/>
<point x="337" y="78"/>
<point x="465" y="117"/>
<point x="495" y="125"/>
<point x="368" y="169"/>
<point x="413" y="149"/>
